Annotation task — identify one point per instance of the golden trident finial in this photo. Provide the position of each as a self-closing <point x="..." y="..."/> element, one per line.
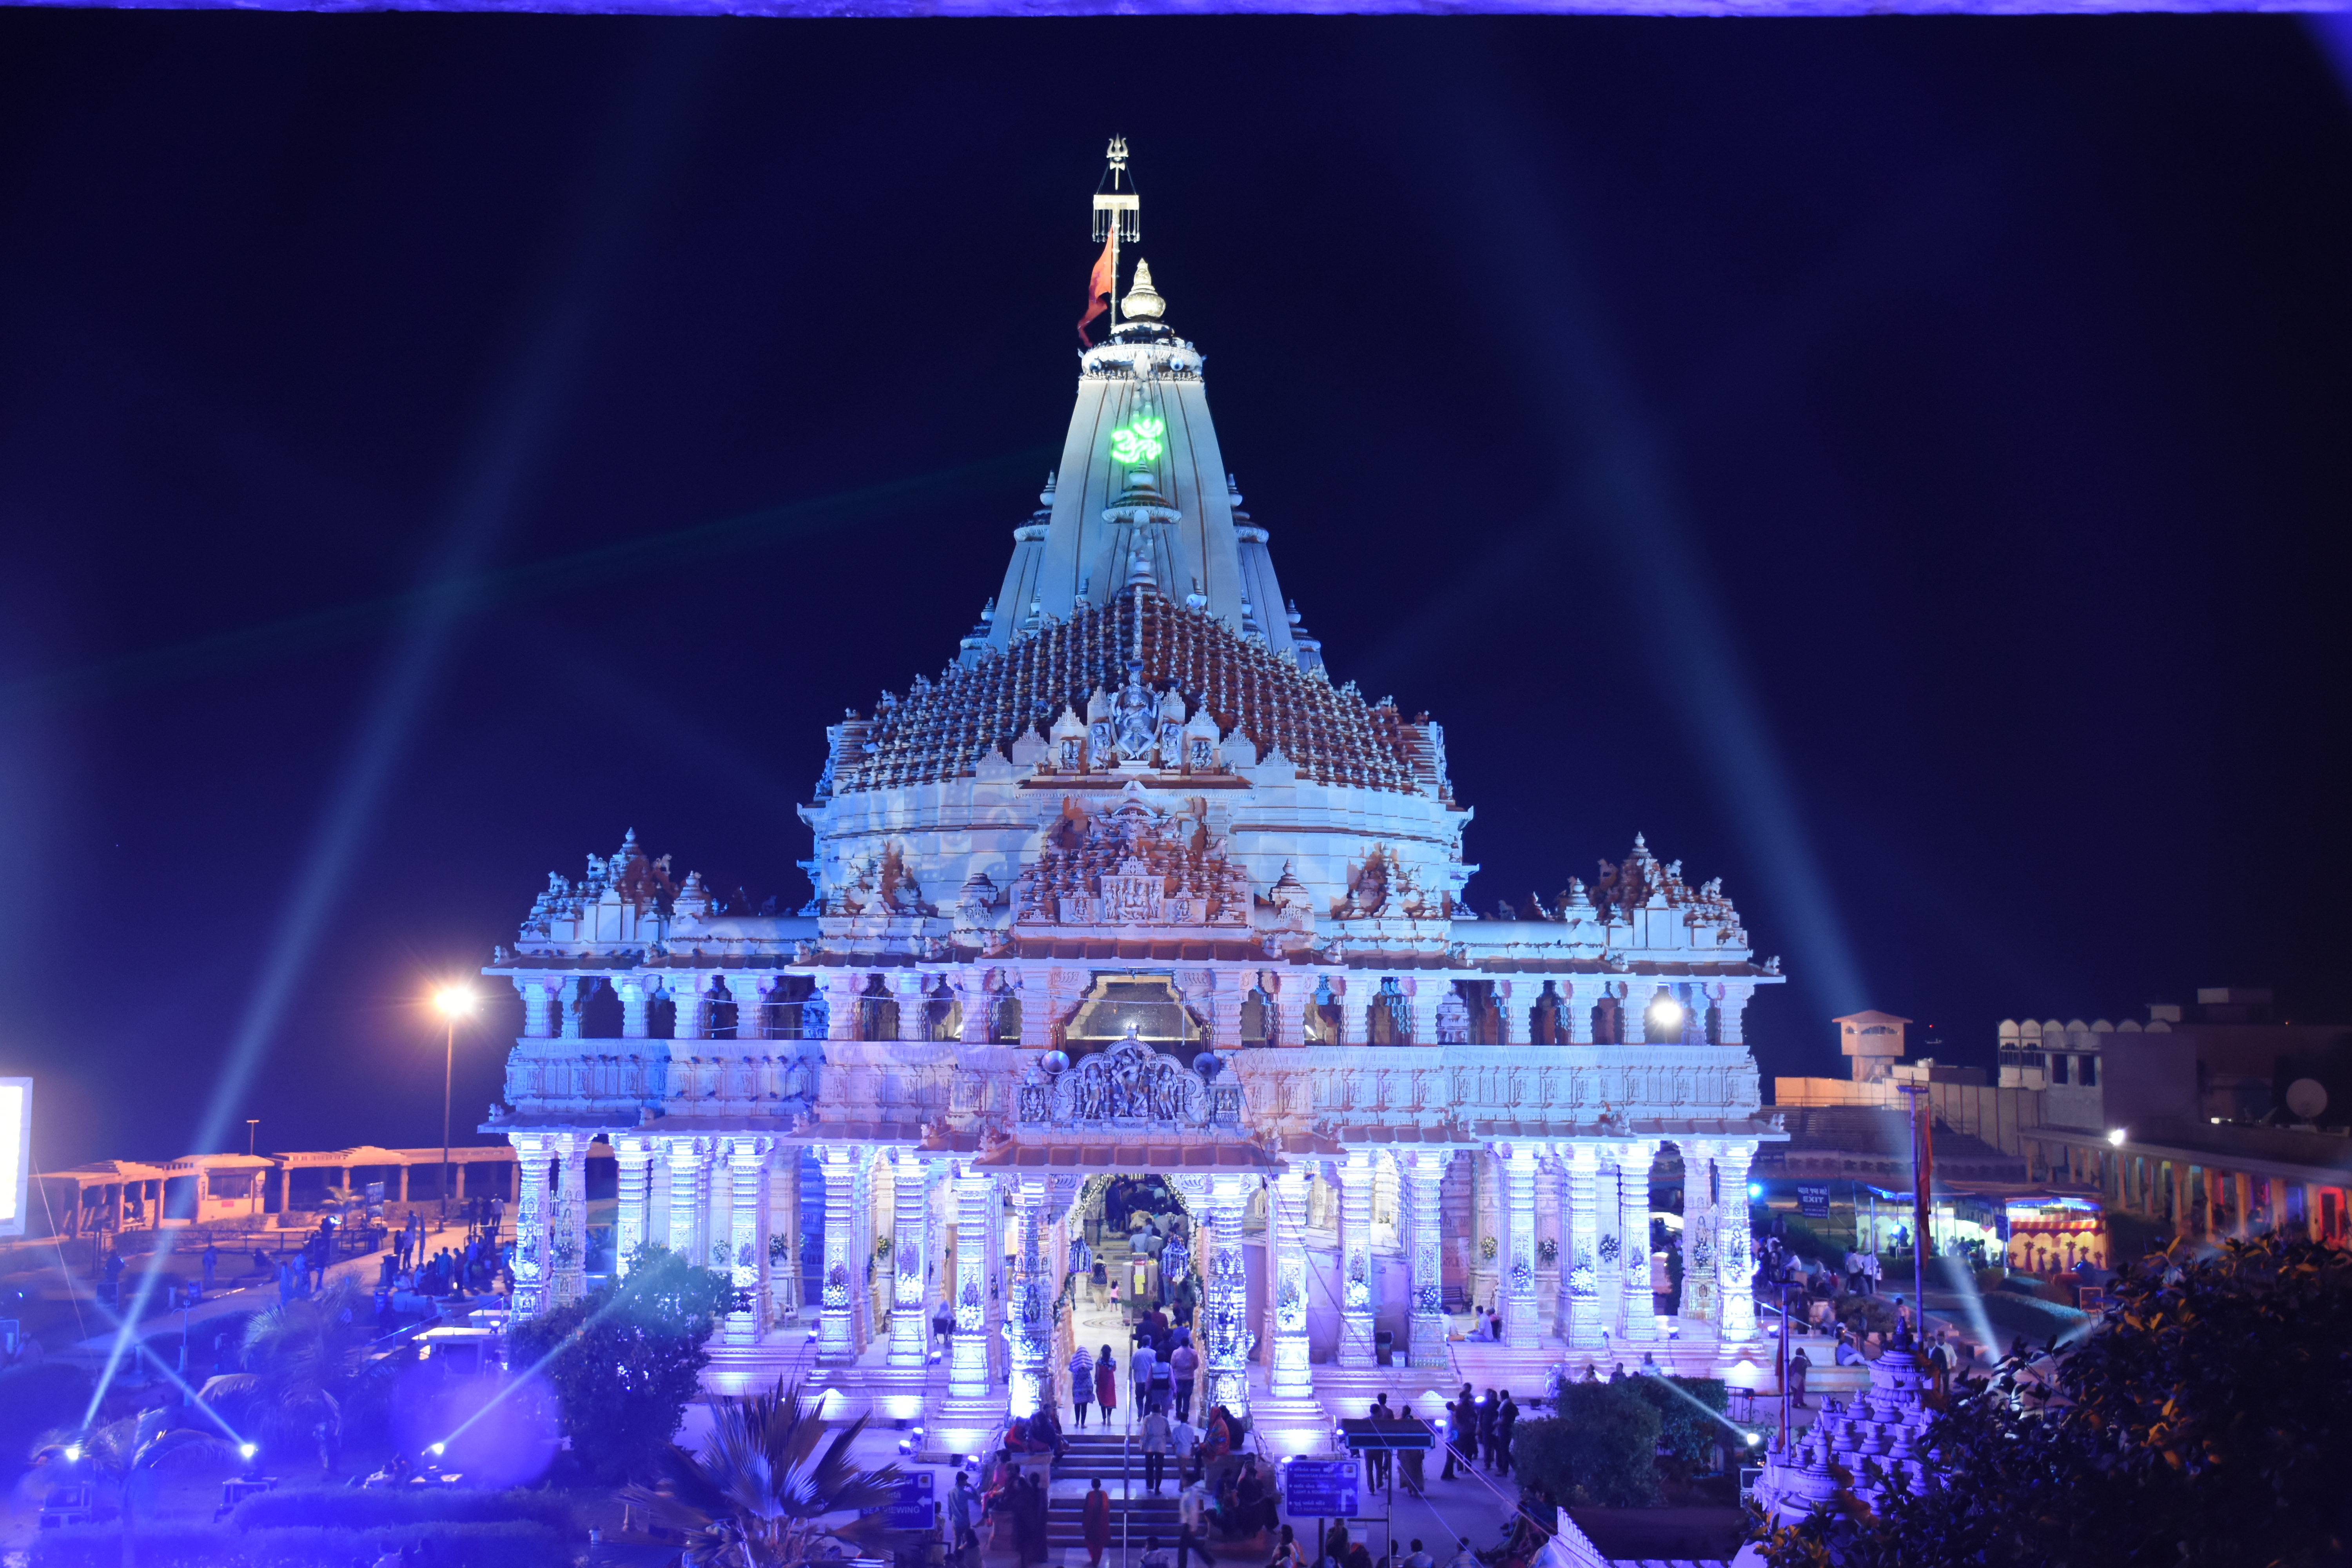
<point x="1118" y="215"/>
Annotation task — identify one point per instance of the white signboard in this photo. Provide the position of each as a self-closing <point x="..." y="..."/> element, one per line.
<point x="15" y="1152"/>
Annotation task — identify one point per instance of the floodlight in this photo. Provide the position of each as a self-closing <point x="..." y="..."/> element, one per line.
<point x="454" y="1001"/>
<point x="2115" y="1136"/>
<point x="1666" y="1013"/>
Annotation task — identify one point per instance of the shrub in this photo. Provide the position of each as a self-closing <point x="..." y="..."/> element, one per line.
<point x="1601" y="1450"/>
<point x="504" y="1544"/>
<point x="34" y="1399"/>
<point x="1688" y="1434"/>
<point x="377" y="1507"/>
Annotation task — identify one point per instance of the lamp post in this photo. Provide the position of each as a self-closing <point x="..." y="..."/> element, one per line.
<point x="253" y="1177"/>
<point x="454" y="1002"/>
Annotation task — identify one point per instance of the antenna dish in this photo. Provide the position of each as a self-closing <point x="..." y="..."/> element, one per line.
<point x="2306" y="1097"/>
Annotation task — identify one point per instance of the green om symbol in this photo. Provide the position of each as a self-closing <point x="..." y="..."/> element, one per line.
<point x="1137" y="441"/>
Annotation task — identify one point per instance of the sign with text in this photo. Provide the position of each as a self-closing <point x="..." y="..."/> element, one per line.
<point x="912" y="1511"/>
<point x="1814" y="1199"/>
<point x="1320" y="1488"/>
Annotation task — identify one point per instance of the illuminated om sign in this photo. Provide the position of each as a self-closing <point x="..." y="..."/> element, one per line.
<point x="1137" y="441"/>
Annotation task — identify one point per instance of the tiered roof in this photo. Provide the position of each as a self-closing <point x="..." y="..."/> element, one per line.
<point x="942" y="729"/>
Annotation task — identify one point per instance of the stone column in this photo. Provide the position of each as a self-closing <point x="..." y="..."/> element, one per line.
<point x="1697" y="1302"/>
<point x="747" y="1236"/>
<point x="533" y="1154"/>
<point x="539" y="1005"/>
<point x="693" y="1010"/>
<point x="636" y="1002"/>
<point x="1735" y="1266"/>
<point x="1224" y="1308"/>
<point x="976" y="1215"/>
<point x="1029" y="1301"/>
<point x="842" y="1330"/>
<point x="784" y="1203"/>
<point x="910" y="1247"/>
<point x="1357" y="1307"/>
<point x="1424" y="993"/>
<point x="743" y="990"/>
<point x="1511" y="1004"/>
<point x="1292" y="991"/>
<point x="1356" y="1006"/>
<point x="1521" y="1324"/>
<point x="1579" y="997"/>
<point x="1423" y="1171"/>
<point x="568" y="1230"/>
<point x="633" y="1154"/>
<point x="689" y="1198"/>
<point x="1580" y="1243"/>
<point x="1731" y="1028"/>
<point x="1638" y="1307"/>
<point x="841" y="993"/>
<point x="914" y="1003"/>
<point x="1286" y="1297"/>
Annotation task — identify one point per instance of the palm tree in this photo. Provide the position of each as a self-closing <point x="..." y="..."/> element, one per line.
<point x="299" y="1359"/>
<point x="757" y="1494"/>
<point x="130" y="1453"/>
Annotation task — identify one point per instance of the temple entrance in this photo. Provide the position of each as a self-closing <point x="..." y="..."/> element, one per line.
<point x="1132" y="1264"/>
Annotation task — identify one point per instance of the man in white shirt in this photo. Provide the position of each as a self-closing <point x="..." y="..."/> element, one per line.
<point x="1419" y="1558"/>
<point x="1192" y="1512"/>
<point x="1154" y="1435"/>
<point x="1184" y="1441"/>
<point x="1138" y="1369"/>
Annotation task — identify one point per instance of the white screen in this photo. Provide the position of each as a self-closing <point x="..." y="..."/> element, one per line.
<point x="15" y="1151"/>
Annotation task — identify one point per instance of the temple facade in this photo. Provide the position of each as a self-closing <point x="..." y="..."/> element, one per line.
<point x="1131" y="885"/>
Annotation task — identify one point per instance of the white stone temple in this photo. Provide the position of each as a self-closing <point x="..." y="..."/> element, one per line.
<point x="1130" y="886"/>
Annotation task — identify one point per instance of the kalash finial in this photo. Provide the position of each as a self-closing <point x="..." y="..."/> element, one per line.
<point x="1143" y="302"/>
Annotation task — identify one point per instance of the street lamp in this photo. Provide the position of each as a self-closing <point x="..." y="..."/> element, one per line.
<point x="453" y="1002"/>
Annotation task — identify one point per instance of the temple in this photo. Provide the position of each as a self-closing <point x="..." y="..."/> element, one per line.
<point x="1131" y="886"/>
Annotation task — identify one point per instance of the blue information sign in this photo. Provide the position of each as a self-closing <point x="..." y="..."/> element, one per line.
<point x="1814" y="1199"/>
<point x="1320" y="1488"/>
<point x="913" y="1508"/>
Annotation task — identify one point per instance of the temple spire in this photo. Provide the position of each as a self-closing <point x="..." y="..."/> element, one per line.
<point x="1119" y="213"/>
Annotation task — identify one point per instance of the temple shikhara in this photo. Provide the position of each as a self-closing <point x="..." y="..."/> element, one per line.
<point x="1131" y="884"/>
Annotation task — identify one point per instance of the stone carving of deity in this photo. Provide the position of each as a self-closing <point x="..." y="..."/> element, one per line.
<point x="1137" y="720"/>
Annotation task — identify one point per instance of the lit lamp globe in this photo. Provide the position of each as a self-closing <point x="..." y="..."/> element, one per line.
<point x="1667" y="1015"/>
<point x="1055" y="1062"/>
<point x="454" y="1002"/>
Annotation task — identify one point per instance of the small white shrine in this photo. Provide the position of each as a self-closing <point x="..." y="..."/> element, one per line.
<point x="1130" y="886"/>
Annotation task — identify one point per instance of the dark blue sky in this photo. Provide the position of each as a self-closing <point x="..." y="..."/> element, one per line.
<point x="1899" y="466"/>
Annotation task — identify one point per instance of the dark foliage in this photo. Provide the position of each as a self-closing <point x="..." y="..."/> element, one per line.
<point x="35" y="1400"/>
<point x="482" y="1545"/>
<point x="2206" y="1423"/>
<point x="344" y="1509"/>
<point x="1687" y="1433"/>
<point x="1599" y="1450"/>
<point x="624" y="1362"/>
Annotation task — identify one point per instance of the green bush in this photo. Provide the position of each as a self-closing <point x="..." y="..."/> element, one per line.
<point x="1687" y="1433"/>
<point x="376" y="1508"/>
<point x="507" y="1544"/>
<point x="36" y="1399"/>
<point x="1599" y="1451"/>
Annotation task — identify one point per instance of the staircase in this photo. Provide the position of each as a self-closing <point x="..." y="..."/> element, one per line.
<point x="1109" y="1456"/>
<point x="1524" y="1370"/>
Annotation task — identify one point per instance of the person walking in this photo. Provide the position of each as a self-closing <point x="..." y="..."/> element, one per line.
<point x="1192" y="1525"/>
<point x="1410" y="1462"/>
<point x="1107" y="1386"/>
<point x="1153" y="1436"/>
<point x="1082" y="1382"/>
<point x="1461" y="1433"/>
<point x="1183" y="1366"/>
<point x="1030" y="1531"/>
<point x="960" y="1499"/>
<point x="1184" y="1442"/>
<point x="1506" y="1419"/>
<point x="1489" y="1411"/>
<point x="1094" y="1518"/>
<point x="1939" y="1362"/>
<point x="1800" y="1366"/>
<point x="1139" y="1365"/>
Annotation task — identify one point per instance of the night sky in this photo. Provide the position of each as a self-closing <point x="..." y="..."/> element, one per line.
<point x="1899" y="466"/>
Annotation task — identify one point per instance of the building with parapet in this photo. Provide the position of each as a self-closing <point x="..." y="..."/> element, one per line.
<point x="1132" y="885"/>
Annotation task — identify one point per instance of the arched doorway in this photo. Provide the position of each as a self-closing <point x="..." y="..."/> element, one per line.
<point x="1147" y="1003"/>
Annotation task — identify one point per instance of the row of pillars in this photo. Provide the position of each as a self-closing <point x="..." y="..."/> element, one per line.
<point x="2234" y="1203"/>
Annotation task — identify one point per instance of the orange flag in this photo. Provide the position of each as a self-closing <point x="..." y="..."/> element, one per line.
<point x="1100" y="287"/>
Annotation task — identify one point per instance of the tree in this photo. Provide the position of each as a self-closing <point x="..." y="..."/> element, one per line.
<point x="1691" y="1424"/>
<point x="625" y="1361"/>
<point x="129" y="1453"/>
<point x="754" y="1496"/>
<point x="301" y="1360"/>
<point x="2205" y="1422"/>
<point x="1601" y="1449"/>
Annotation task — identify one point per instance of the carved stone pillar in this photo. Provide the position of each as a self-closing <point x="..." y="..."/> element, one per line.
<point x="1423" y="994"/>
<point x="1356" y="1007"/>
<point x="976" y="1214"/>
<point x="1424" y="1216"/>
<point x="910" y="1247"/>
<point x="1357" y="1306"/>
<point x="841" y="994"/>
<point x="1521" y="1325"/>
<point x="1511" y="1004"/>
<point x="1579" y="997"/>
<point x="1697" y="1303"/>
<point x="842" y="1330"/>
<point x="573" y="1000"/>
<point x="1291" y="994"/>
<point x="1030" y="1298"/>
<point x="636" y="1002"/>
<point x="688" y="1160"/>
<point x="539" y="1003"/>
<point x="750" y="1018"/>
<point x="534" y="1153"/>
<point x="568" y="1224"/>
<point x="785" y="1221"/>
<point x="1224" y="1309"/>
<point x="1733" y="1004"/>
<point x="914" y="1003"/>
<point x="747" y="1236"/>
<point x="1735" y="1284"/>
<point x="632" y="1152"/>
<point x="1286" y="1298"/>
<point x="1637" y="1307"/>
<point x="685" y="990"/>
<point x="1580" y="1243"/>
